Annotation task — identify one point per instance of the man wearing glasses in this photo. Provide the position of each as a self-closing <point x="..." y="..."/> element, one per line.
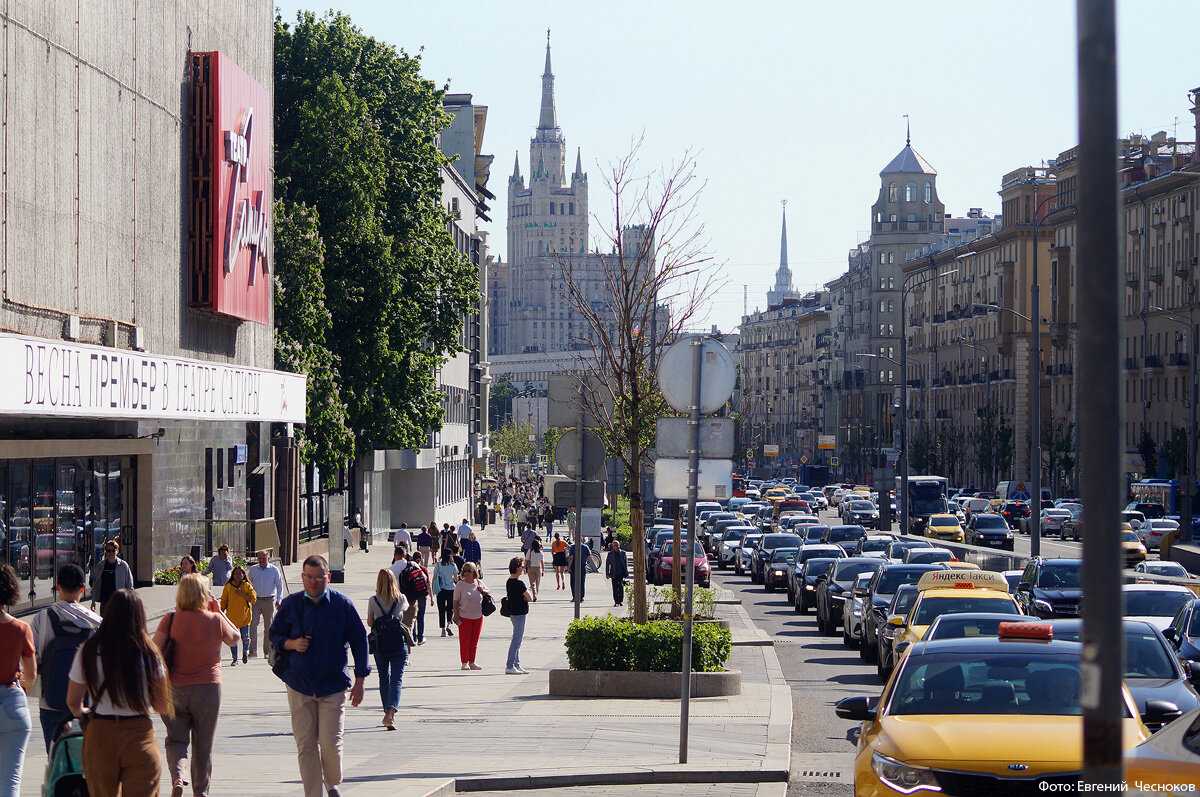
<point x="314" y="627"/>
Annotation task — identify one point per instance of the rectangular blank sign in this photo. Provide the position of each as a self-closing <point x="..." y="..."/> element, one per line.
<point x="715" y="481"/>
<point x="674" y="437"/>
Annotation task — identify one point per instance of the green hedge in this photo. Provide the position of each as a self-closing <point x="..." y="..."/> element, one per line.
<point x="610" y="643"/>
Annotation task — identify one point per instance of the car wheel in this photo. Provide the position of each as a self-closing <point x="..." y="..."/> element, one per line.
<point x="881" y="669"/>
<point x="801" y="603"/>
<point x="768" y="587"/>
<point x="867" y="651"/>
<point x="848" y="640"/>
<point x="830" y="625"/>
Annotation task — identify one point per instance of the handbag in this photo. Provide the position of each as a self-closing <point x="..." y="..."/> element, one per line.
<point x="505" y="607"/>
<point x="487" y="605"/>
<point x="283" y="656"/>
<point x="168" y="651"/>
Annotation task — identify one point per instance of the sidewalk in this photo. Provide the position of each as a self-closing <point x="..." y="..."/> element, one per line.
<point x="494" y="732"/>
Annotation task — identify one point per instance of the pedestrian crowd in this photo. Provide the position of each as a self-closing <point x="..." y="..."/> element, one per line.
<point x="105" y="670"/>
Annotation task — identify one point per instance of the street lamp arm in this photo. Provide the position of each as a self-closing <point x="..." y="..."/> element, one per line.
<point x="1002" y="309"/>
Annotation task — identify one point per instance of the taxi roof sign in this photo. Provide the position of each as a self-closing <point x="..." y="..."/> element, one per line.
<point x="962" y="579"/>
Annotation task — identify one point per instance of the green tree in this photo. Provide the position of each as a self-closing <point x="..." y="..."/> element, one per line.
<point x="512" y="439"/>
<point x="302" y="324"/>
<point x="500" y="398"/>
<point x="1148" y="451"/>
<point x="550" y="439"/>
<point x="924" y="457"/>
<point x="1175" y="452"/>
<point x="356" y="130"/>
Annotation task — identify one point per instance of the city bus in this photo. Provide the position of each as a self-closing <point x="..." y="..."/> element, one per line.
<point x="1157" y="491"/>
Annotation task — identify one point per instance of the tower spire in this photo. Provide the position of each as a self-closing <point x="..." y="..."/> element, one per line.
<point x="907" y="121"/>
<point x="548" y="119"/>
<point x="516" y="175"/>
<point x="783" y="264"/>
<point x="578" y="162"/>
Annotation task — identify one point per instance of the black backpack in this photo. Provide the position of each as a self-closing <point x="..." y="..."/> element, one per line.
<point x="388" y="631"/>
<point x="56" y="660"/>
<point x="415" y="583"/>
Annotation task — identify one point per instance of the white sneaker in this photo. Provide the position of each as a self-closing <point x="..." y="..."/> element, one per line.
<point x="474" y="666"/>
<point x="522" y="670"/>
<point x="512" y="670"/>
<point x="466" y="666"/>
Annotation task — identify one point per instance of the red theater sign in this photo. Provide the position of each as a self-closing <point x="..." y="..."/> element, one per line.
<point x="230" y="216"/>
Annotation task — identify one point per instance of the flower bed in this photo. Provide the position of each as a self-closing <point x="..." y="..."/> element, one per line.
<point x="171" y="575"/>
<point x="610" y="643"/>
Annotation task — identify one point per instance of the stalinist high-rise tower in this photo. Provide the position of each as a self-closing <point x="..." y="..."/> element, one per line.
<point x="547" y="223"/>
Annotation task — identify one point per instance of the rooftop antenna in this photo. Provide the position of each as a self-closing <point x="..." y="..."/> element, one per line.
<point x="745" y="300"/>
<point x="907" y="131"/>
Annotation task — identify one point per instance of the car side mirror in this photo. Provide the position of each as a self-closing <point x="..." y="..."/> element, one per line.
<point x="1160" y="712"/>
<point x="1193" y="672"/>
<point x="859" y="708"/>
<point x="896" y="621"/>
<point x="858" y="592"/>
<point x="1170" y="634"/>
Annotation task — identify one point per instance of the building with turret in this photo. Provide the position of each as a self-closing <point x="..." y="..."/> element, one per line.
<point x="783" y="290"/>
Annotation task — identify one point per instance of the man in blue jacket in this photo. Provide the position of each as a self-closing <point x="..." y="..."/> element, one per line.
<point x="314" y="627"/>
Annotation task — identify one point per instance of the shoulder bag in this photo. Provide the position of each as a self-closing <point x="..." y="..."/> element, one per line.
<point x="487" y="605"/>
<point x="168" y="649"/>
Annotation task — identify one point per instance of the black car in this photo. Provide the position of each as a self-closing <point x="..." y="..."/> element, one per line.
<point x="813" y="534"/>
<point x="762" y="554"/>
<point x="1013" y="512"/>
<point x="812" y="573"/>
<point x="896" y="550"/>
<point x="1050" y="587"/>
<point x="846" y="536"/>
<point x="1151" y="669"/>
<point x="836" y="588"/>
<point x="775" y="573"/>
<point x="989" y="530"/>
<point x="883" y="586"/>
<point x="1184" y="632"/>
<point x="811" y="551"/>
<point x="902" y="601"/>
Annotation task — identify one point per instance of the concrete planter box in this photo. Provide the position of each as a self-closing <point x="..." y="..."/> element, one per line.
<point x="607" y="683"/>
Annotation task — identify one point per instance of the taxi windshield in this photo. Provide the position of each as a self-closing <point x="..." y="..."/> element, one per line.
<point x="931" y="608"/>
<point x="1153" y="603"/>
<point x="943" y="521"/>
<point x="1059" y="576"/>
<point x="1002" y="683"/>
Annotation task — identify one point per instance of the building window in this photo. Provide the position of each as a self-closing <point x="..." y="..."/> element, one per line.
<point x="551" y="208"/>
<point x="892" y="192"/>
<point x="561" y="208"/>
<point x="882" y="257"/>
<point x="910" y="192"/>
<point x="571" y="208"/>
<point x="928" y="192"/>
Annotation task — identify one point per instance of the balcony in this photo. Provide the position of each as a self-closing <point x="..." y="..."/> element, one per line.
<point x="1153" y="362"/>
<point x="1184" y="266"/>
<point x="1178" y="359"/>
<point x="1132" y="280"/>
<point x="977" y="378"/>
<point x="1065" y="369"/>
<point x="1131" y="364"/>
<point x="944" y="414"/>
<point x="993" y="376"/>
<point x="1155" y="272"/>
<point x="917" y="383"/>
<point x="938" y="318"/>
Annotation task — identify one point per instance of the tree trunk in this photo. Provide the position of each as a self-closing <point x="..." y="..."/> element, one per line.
<point x="638" y="525"/>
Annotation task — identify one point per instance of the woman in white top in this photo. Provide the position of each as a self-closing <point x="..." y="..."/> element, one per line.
<point x="535" y="565"/>
<point x="468" y="614"/>
<point x="121" y="671"/>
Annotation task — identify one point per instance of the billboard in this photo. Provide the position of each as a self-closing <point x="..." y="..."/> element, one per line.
<point x="770" y="450"/>
<point x="229" y="219"/>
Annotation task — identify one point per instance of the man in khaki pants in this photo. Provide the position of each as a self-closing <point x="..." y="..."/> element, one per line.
<point x="320" y="623"/>
<point x="268" y="586"/>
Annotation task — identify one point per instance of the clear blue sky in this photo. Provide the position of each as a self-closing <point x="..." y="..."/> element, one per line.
<point x="797" y="100"/>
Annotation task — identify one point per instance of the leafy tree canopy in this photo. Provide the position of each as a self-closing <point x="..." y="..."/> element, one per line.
<point x="356" y="133"/>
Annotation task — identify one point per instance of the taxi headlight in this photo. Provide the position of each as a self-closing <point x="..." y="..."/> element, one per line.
<point x="904" y="778"/>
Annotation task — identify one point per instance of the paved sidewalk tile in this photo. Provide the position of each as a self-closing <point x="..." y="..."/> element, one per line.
<point x="455" y="723"/>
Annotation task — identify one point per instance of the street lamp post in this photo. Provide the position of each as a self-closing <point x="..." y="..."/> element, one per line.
<point x="1035" y="417"/>
<point x="905" y="288"/>
<point x="1188" y="509"/>
<point x="1035" y="358"/>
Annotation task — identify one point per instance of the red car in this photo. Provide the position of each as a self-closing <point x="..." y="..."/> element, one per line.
<point x="666" y="561"/>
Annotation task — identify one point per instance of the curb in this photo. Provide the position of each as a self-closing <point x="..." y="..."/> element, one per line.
<point x="626" y="778"/>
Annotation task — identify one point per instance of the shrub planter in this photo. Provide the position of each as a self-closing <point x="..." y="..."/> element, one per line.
<point x="610" y="683"/>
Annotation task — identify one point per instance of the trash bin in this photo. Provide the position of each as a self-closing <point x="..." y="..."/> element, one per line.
<point x="491" y="514"/>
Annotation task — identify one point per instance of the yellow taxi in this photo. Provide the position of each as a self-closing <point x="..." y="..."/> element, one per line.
<point x="962" y="566"/>
<point x="1169" y="758"/>
<point x="978" y="715"/>
<point x="950" y="592"/>
<point x="1132" y="548"/>
<point x="944" y="527"/>
<point x="775" y="494"/>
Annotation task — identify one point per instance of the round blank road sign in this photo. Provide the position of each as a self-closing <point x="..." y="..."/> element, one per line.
<point x="718" y="374"/>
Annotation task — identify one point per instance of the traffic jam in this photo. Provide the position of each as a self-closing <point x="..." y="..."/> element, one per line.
<point x="977" y="662"/>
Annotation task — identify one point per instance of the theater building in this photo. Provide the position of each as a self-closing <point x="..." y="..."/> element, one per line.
<point x="138" y="398"/>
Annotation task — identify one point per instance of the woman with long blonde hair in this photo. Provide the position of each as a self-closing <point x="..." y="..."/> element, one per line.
<point x="384" y="613"/>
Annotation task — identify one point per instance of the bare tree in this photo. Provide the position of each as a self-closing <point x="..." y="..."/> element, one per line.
<point x="649" y="280"/>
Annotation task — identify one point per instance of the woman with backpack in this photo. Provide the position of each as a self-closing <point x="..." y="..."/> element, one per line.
<point x="445" y="576"/>
<point x="385" y="619"/>
<point x="123" y="674"/>
<point x="536" y="564"/>
<point x="190" y="639"/>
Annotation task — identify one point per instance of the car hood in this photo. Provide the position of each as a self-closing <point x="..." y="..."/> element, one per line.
<point x="1057" y="594"/>
<point x="987" y="743"/>
<point x="986" y="532"/>
<point x="1173" y="690"/>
